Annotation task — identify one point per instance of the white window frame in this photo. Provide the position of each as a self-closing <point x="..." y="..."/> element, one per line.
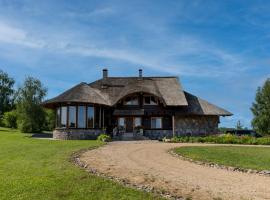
<point x="161" y="123"/>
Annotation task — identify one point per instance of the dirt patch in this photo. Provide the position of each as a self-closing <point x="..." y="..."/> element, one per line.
<point x="148" y="163"/>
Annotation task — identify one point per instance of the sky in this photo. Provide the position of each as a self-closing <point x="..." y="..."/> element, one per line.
<point x="218" y="49"/>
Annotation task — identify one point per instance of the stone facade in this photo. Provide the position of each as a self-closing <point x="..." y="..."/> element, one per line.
<point x="76" y="134"/>
<point x="196" y="125"/>
<point x="157" y="134"/>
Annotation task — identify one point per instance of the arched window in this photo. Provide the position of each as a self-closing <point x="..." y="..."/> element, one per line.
<point x="132" y="100"/>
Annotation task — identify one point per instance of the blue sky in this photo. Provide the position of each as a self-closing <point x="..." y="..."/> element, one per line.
<point x="219" y="49"/>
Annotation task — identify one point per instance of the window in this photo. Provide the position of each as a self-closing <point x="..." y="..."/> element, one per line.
<point x="81" y="117"/>
<point x="156" y="122"/>
<point x="63" y="116"/>
<point x="58" y="117"/>
<point x="131" y="101"/>
<point x="72" y="117"/>
<point x="137" y="121"/>
<point x="121" y="121"/>
<point x="150" y="100"/>
<point x="90" y="117"/>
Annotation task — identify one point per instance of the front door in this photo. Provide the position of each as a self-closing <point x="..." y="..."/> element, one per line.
<point x="129" y="124"/>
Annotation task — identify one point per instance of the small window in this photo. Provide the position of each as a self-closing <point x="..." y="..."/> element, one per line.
<point x="150" y="100"/>
<point x="63" y="116"/>
<point x="81" y="117"/>
<point x="121" y="122"/>
<point x="131" y="101"/>
<point x="156" y="122"/>
<point x="137" y="121"/>
<point x="72" y="117"/>
<point x="58" y="117"/>
<point x="90" y="117"/>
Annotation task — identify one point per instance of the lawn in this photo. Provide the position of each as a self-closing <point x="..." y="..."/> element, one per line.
<point x="244" y="157"/>
<point x="40" y="169"/>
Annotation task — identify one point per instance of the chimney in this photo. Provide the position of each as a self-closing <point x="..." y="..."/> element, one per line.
<point x="105" y="73"/>
<point x="140" y="73"/>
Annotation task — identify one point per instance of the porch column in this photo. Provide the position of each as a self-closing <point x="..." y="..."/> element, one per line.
<point x="173" y="126"/>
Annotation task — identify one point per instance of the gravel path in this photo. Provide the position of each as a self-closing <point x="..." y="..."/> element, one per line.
<point x="149" y="163"/>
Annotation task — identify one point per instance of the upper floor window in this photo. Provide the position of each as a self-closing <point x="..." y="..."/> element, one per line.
<point x="131" y="101"/>
<point x="150" y="100"/>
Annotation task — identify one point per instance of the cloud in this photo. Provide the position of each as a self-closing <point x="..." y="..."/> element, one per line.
<point x="12" y="35"/>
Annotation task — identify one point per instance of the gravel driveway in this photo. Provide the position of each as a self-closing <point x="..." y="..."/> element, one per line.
<point x="149" y="163"/>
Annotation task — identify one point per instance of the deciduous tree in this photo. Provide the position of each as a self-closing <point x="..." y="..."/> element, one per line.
<point x="31" y="115"/>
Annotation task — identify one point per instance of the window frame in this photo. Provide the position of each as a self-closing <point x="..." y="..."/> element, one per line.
<point x="68" y="117"/>
<point x="132" y="99"/>
<point x="124" y="122"/>
<point x="150" y="104"/>
<point x="90" y="106"/>
<point x="83" y="114"/>
<point x="134" y="121"/>
<point x="161" y="122"/>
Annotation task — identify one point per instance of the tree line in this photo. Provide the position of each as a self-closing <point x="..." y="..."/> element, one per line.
<point x="21" y="108"/>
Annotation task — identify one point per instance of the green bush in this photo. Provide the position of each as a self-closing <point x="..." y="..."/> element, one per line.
<point x="10" y="119"/>
<point x="50" y="117"/>
<point x="223" y="139"/>
<point x="104" y="138"/>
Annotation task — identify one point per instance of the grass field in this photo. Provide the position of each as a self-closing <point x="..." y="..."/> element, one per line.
<point x="40" y="169"/>
<point x="244" y="157"/>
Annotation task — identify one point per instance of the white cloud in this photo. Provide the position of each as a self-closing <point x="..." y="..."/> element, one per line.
<point x="12" y="35"/>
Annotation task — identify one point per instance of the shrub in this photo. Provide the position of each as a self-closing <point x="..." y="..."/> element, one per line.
<point x="104" y="138"/>
<point x="10" y="119"/>
<point x="50" y="117"/>
<point x="223" y="139"/>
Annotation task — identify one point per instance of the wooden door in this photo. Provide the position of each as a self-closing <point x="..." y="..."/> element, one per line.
<point x="129" y="124"/>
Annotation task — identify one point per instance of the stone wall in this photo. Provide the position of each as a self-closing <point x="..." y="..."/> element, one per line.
<point x="196" y="125"/>
<point x="157" y="134"/>
<point x="76" y="134"/>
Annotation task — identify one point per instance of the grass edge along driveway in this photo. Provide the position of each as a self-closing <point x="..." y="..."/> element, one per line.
<point x="41" y="169"/>
<point x="247" y="157"/>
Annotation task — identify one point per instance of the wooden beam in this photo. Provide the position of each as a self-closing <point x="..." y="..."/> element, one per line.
<point x="173" y="125"/>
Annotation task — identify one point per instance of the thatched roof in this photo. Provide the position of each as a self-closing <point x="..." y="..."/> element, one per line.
<point x="110" y="90"/>
<point x="81" y="93"/>
<point x="168" y="89"/>
<point x="198" y="106"/>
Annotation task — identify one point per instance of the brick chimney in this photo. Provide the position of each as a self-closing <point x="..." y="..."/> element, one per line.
<point x="105" y="73"/>
<point x="140" y="73"/>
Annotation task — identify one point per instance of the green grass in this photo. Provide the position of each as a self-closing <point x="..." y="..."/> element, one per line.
<point x="40" y="169"/>
<point x="243" y="157"/>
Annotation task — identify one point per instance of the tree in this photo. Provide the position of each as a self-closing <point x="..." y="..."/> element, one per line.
<point x="261" y="109"/>
<point x="10" y="119"/>
<point x="49" y="120"/>
<point x="239" y="126"/>
<point x="31" y="115"/>
<point x="6" y="92"/>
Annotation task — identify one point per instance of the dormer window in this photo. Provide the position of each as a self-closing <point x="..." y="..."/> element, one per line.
<point x="150" y="100"/>
<point x="131" y="101"/>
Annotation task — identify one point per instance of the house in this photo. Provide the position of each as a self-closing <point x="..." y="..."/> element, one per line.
<point x="156" y="106"/>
